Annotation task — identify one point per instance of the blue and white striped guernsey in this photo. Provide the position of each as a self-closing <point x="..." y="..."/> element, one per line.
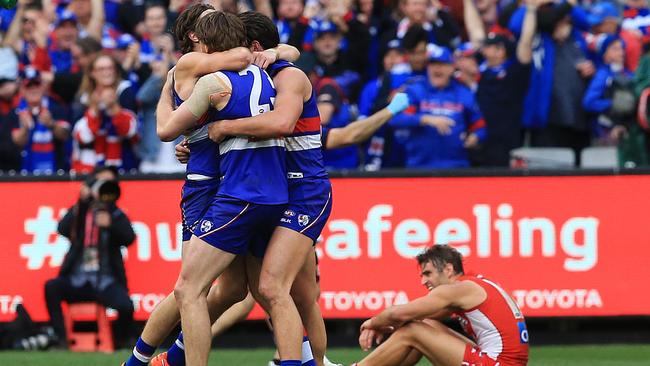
<point x="304" y="148"/>
<point x="252" y="170"/>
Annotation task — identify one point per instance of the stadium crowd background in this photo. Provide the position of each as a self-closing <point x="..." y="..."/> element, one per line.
<point x="80" y="79"/>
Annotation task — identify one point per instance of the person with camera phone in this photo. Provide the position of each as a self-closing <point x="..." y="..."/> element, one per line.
<point x="93" y="268"/>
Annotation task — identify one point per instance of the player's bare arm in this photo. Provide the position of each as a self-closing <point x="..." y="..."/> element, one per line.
<point x="361" y="130"/>
<point x="165" y="107"/>
<point x="293" y="89"/>
<point x="210" y="86"/>
<point x="437" y="304"/>
<point x="193" y="65"/>
<point x="199" y="63"/>
<point x="282" y="52"/>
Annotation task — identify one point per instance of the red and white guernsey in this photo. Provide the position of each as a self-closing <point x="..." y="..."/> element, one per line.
<point x="497" y="325"/>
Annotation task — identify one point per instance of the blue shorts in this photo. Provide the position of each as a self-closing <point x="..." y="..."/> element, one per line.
<point x="196" y="196"/>
<point x="237" y="226"/>
<point x="310" y="205"/>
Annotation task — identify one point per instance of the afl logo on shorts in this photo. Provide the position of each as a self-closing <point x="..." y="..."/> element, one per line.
<point x="206" y="226"/>
<point x="303" y="220"/>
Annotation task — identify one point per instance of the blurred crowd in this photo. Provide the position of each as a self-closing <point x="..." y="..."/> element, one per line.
<point x="80" y="79"/>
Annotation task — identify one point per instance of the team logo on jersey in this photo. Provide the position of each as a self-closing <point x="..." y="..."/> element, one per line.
<point x="289" y="213"/>
<point x="303" y="220"/>
<point x="206" y="226"/>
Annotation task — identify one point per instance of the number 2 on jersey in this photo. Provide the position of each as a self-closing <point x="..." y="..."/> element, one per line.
<point x="256" y="91"/>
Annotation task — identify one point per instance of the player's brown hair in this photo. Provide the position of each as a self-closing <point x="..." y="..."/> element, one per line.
<point x="221" y="31"/>
<point x="185" y="24"/>
<point x="439" y="255"/>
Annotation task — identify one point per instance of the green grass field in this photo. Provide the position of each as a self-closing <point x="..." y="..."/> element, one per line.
<point x="611" y="355"/>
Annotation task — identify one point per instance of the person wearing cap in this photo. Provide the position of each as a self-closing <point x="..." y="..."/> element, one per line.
<point x="327" y="59"/>
<point x="127" y="51"/>
<point x="42" y="127"/>
<point x="386" y="149"/>
<point x="335" y="84"/>
<point x="605" y="18"/>
<point x="467" y="67"/>
<point x="443" y="117"/>
<point x="62" y="39"/>
<point x="610" y="94"/>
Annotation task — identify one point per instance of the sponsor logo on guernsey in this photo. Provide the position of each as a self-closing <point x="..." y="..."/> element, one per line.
<point x="206" y="226"/>
<point x="303" y="220"/>
<point x="523" y="332"/>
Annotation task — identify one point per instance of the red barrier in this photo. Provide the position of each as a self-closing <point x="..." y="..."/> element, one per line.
<point x="562" y="246"/>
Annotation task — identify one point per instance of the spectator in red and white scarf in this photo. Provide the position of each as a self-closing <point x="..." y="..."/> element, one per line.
<point x="101" y="133"/>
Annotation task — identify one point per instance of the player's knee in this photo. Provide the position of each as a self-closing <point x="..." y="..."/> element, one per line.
<point x="271" y="290"/>
<point x="409" y="331"/>
<point x="184" y="292"/>
<point x="179" y="293"/>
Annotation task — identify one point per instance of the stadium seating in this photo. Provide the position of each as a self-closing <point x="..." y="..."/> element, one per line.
<point x="542" y="158"/>
<point x="599" y="157"/>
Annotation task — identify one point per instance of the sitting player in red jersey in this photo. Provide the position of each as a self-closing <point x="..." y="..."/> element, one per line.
<point x="486" y="312"/>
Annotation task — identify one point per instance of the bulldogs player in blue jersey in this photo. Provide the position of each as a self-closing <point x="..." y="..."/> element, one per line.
<point x="260" y="33"/>
<point x="202" y="173"/>
<point x="253" y="190"/>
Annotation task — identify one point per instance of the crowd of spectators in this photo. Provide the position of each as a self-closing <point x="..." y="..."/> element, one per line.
<point x="80" y="79"/>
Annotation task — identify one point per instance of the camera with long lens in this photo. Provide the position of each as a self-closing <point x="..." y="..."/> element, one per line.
<point x="104" y="194"/>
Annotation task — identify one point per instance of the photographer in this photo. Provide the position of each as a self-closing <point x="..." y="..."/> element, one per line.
<point x="93" y="269"/>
